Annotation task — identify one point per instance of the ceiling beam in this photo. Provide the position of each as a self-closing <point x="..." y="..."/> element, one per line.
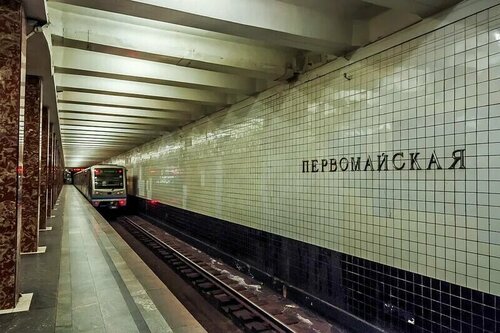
<point x="71" y="82"/>
<point x="124" y="120"/>
<point x="129" y="112"/>
<point x="84" y="132"/>
<point x="136" y="103"/>
<point x="98" y="145"/>
<point x="92" y="158"/>
<point x="94" y="150"/>
<point x="91" y="151"/>
<point x="108" y="125"/>
<point x="273" y="21"/>
<point x="68" y="139"/>
<point x="100" y="141"/>
<point x="75" y="61"/>
<point x="111" y="33"/>
<point x="109" y="129"/>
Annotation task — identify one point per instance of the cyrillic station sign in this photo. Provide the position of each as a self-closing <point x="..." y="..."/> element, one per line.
<point x="384" y="163"/>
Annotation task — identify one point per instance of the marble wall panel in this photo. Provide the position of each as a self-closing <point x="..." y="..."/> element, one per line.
<point x="12" y="70"/>
<point x="31" y="164"/>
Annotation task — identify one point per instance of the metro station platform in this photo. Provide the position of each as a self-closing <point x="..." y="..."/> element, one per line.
<point x="90" y="280"/>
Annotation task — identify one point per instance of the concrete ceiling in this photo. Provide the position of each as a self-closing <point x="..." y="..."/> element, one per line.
<point x="127" y="71"/>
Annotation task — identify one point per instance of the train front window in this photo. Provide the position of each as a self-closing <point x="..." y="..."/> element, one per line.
<point x="108" y="178"/>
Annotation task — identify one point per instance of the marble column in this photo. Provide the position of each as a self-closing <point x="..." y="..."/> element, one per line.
<point x="43" y="168"/>
<point x="57" y="177"/>
<point x="54" y="174"/>
<point x="12" y="73"/>
<point x="31" y="164"/>
<point x="49" y="172"/>
<point x="54" y="170"/>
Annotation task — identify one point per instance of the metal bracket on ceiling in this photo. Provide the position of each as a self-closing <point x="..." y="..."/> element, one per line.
<point x="36" y="26"/>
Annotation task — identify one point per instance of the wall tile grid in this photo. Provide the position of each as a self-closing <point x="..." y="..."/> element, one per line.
<point x="436" y="93"/>
<point x="390" y="298"/>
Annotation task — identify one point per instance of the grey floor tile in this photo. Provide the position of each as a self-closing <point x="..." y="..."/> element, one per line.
<point x="6" y="322"/>
<point x="64" y="311"/>
<point x="64" y="330"/>
<point x="97" y="271"/>
<point x="190" y="329"/>
<point x="87" y="318"/>
<point x="150" y="282"/>
<point x="105" y="283"/>
<point x="80" y="278"/>
<point x="121" y="324"/>
<point x="173" y="311"/>
<point x="127" y="274"/>
<point x="83" y="287"/>
<point x="135" y="287"/>
<point x="112" y="293"/>
<point x="37" y="321"/>
<point x="156" y="322"/>
<point x="97" y="330"/>
<point x="80" y="300"/>
<point x="112" y="310"/>
<point x="111" y="307"/>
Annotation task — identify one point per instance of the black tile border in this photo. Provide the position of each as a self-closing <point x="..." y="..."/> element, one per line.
<point x="363" y="295"/>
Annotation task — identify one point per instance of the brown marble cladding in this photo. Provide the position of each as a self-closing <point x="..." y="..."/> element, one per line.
<point x="31" y="164"/>
<point x="12" y="70"/>
<point x="50" y="158"/>
<point x="54" y="168"/>
<point x="43" y="168"/>
<point x="58" y="171"/>
<point x="54" y="171"/>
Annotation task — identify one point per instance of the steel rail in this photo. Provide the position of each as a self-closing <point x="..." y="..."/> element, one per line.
<point x="275" y="325"/>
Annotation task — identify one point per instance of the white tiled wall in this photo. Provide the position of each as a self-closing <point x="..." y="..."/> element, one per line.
<point x="439" y="92"/>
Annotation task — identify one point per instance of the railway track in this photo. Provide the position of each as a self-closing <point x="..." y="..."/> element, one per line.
<point x="227" y="298"/>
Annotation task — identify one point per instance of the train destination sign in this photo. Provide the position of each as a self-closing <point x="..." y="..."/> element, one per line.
<point x="385" y="162"/>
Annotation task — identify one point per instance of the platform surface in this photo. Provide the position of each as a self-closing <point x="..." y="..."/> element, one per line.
<point x="101" y="285"/>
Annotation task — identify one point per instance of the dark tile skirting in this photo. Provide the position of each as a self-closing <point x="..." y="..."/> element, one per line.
<point x="363" y="295"/>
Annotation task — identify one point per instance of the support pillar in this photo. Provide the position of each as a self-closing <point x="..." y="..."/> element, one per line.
<point x="12" y="74"/>
<point x="50" y="171"/>
<point x="54" y="171"/>
<point x="44" y="168"/>
<point x="31" y="164"/>
<point x="58" y="171"/>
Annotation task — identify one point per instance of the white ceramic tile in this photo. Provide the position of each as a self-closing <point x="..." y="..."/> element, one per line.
<point x="433" y="93"/>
